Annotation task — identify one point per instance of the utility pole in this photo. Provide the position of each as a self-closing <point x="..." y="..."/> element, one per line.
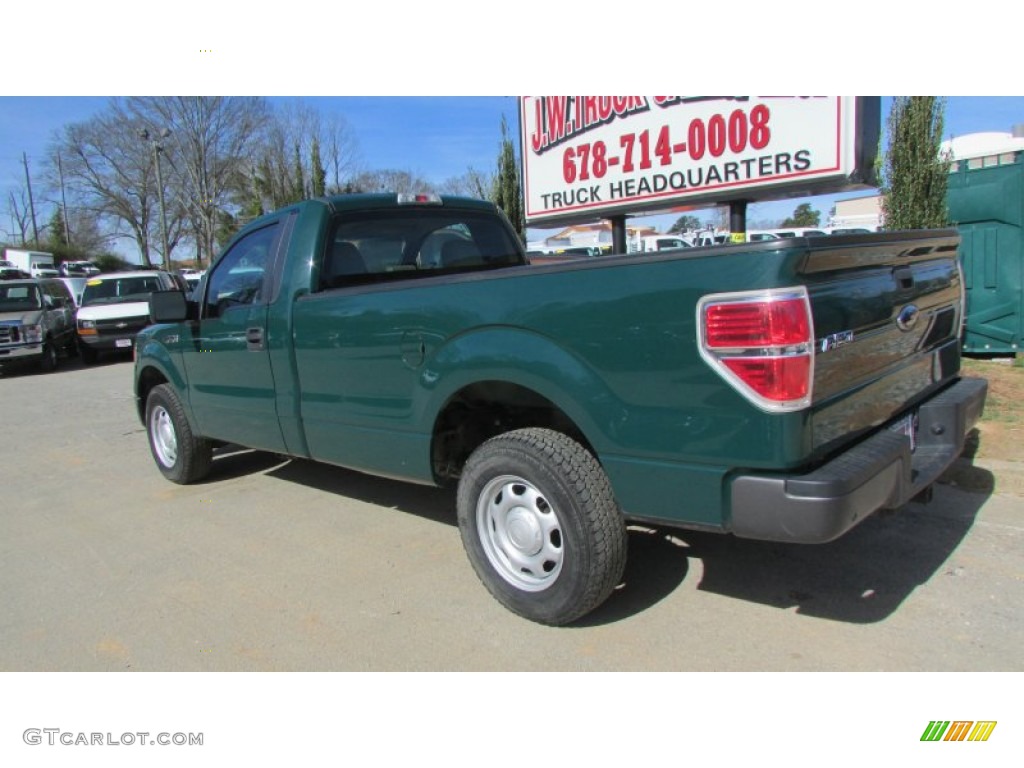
<point x="157" y="149"/>
<point x="31" y="204"/>
<point x="64" y="201"/>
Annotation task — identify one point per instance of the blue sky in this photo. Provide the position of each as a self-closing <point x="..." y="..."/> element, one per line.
<point x="435" y="137"/>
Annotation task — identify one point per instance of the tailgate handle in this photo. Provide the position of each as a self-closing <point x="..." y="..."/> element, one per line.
<point x="254" y="338"/>
<point x="904" y="278"/>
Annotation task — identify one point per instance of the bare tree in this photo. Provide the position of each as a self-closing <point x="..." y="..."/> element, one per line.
<point x="389" y="180"/>
<point x="472" y="183"/>
<point x="273" y="164"/>
<point x="88" y="237"/>
<point x="110" y="174"/>
<point x="209" y="149"/>
<point x="341" y="152"/>
<point x="21" y="221"/>
<point x="298" y="138"/>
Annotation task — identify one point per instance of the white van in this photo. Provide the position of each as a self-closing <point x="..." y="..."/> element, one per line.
<point x="115" y="307"/>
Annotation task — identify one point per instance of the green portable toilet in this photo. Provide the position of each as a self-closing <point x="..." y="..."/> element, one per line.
<point x="986" y="203"/>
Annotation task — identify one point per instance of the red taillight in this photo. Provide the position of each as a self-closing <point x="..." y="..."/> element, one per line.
<point x="762" y="344"/>
<point x="757" y="324"/>
<point x="780" y="379"/>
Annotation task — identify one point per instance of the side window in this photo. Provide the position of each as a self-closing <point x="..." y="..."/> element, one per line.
<point x="237" y="278"/>
<point x="53" y="290"/>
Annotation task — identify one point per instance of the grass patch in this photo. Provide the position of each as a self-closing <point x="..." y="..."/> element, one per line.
<point x="1001" y="430"/>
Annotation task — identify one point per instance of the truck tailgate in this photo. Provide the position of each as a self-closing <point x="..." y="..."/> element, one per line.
<point x="887" y="312"/>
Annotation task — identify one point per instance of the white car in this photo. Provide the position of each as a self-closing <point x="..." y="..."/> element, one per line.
<point x="115" y="307"/>
<point x="78" y="269"/>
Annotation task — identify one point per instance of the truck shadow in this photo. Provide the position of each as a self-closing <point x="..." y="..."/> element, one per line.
<point x="436" y="504"/>
<point x="861" y="578"/>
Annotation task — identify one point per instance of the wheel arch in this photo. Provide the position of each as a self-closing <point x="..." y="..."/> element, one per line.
<point x="154" y="366"/>
<point x="482" y="410"/>
<point x="501" y="379"/>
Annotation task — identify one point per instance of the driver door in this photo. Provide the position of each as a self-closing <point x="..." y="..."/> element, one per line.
<point x="228" y="361"/>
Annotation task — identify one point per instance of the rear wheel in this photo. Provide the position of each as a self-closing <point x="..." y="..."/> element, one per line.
<point x="181" y="456"/>
<point x="540" y="525"/>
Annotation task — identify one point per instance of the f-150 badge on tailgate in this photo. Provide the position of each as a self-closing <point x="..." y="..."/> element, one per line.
<point x="835" y="340"/>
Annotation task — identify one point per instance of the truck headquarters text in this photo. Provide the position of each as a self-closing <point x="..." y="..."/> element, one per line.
<point x="733" y="171"/>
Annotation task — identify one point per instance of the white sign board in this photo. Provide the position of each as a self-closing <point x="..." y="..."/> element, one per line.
<point x="587" y="157"/>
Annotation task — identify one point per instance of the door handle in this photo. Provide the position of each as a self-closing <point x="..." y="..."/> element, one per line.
<point x="254" y="339"/>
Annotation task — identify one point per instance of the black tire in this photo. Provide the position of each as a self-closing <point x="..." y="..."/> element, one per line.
<point x="89" y="355"/>
<point x="48" y="362"/>
<point x="180" y="456"/>
<point x="540" y="525"/>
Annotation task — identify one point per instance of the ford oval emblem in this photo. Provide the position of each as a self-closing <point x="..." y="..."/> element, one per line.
<point x="907" y="318"/>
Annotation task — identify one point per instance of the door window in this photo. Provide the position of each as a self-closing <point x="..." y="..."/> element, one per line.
<point x="238" y="278"/>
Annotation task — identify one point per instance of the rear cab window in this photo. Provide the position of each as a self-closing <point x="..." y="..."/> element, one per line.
<point x="405" y="243"/>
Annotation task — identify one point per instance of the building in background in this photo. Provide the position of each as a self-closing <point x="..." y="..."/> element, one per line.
<point x="861" y="212"/>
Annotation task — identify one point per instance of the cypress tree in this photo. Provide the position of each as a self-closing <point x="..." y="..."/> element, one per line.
<point x="299" y="181"/>
<point x="317" y="172"/>
<point x="507" y="193"/>
<point x="916" y="176"/>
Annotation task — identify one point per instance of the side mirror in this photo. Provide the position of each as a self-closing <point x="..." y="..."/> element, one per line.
<point x="168" y="307"/>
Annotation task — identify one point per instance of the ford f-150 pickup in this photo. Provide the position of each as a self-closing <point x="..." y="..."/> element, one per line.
<point x="782" y="390"/>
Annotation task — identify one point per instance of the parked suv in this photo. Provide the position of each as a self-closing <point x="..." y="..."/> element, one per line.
<point x="37" y="322"/>
<point x="115" y="307"/>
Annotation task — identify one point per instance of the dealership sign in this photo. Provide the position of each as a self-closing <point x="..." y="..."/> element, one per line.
<point x="587" y="157"/>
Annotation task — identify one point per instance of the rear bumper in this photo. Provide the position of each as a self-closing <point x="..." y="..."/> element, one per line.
<point x="880" y="472"/>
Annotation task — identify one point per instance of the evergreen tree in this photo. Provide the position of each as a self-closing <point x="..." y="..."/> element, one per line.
<point x="58" y="235"/>
<point x="803" y="216"/>
<point x="685" y="223"/>
<point x="299" y="182"/>
<point x="507" y="193"/>
<point x="252" y="205"/>
<point x="317" y="172"/>
<point x="916" y="177"/>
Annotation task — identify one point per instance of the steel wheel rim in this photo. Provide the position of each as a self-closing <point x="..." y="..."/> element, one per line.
<point x="520" y="533"/>
<point x="165" y="440"/>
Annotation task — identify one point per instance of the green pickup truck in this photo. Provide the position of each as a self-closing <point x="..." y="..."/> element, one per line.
<point x="782" y="390"/>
